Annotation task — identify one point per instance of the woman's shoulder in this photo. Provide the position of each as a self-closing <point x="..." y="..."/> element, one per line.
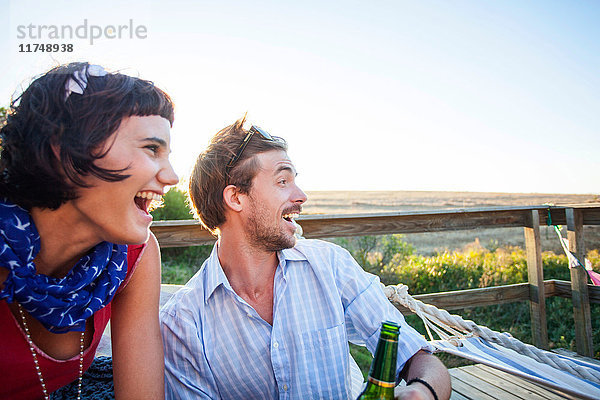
<point x="134" y="256"/>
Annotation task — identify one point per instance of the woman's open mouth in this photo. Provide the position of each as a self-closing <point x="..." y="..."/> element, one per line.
<point x="147" y="200"/>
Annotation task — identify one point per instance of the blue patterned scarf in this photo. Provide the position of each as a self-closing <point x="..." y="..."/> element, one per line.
<point x="64" y="304"/>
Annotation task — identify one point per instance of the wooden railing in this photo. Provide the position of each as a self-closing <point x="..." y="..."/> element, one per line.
<point x="190" y="233"/>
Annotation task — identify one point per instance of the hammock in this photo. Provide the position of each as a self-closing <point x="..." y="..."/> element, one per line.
<point x="500" y="350"/>
<point x="574" y="262"/>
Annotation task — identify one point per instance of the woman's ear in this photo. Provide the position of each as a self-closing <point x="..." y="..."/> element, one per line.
<point x="231" y="196"/>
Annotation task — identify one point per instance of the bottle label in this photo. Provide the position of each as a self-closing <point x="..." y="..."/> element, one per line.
<point x="382" y="383"/>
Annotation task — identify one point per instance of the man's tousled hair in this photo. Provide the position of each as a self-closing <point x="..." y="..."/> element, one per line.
<point x="209" y="176"/>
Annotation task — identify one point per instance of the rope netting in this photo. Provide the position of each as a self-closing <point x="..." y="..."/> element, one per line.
<point x="450" y="327"/>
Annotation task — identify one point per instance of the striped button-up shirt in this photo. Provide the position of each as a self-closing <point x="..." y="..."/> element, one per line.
<point x="218" y="347"/>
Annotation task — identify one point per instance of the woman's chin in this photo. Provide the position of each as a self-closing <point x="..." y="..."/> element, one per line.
<point x="139" y="236"/>
<point x="142" y="238"/>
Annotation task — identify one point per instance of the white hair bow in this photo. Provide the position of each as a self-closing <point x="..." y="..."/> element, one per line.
<point x="78" y="82"/>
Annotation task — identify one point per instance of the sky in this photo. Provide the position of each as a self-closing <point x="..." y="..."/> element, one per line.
<point x="380" y="95"/>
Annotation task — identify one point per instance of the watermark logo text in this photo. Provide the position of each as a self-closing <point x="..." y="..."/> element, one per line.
<point x="82" y="31"/>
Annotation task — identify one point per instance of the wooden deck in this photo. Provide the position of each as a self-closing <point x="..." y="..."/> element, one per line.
<point x="480" y="382"/>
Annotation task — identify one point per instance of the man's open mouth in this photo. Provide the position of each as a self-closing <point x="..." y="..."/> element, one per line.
<point x="290" y="217"/>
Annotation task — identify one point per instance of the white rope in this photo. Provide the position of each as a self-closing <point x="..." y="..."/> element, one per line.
<point x="439" y="319"/>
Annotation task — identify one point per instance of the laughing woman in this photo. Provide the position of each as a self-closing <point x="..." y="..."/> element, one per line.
<point x="83" y="153"/>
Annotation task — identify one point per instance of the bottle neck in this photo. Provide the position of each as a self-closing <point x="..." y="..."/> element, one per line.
<point x="382" y="376"/>
<point x="383" y="368"/>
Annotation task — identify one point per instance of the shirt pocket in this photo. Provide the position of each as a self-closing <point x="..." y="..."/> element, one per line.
<point x="327" y="362"/>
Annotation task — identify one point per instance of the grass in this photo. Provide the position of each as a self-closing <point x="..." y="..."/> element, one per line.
<point x="179" y="264"/>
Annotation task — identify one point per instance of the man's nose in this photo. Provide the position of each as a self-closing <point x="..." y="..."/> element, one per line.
<point x="299" y="196"/>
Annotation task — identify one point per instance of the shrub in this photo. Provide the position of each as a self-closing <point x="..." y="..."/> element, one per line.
<point x="474" y="266"/>
<point x="374" y="253"/>
<point x="175" y="206"/>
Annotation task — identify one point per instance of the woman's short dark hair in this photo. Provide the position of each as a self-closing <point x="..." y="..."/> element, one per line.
<point x="51" y="139"/>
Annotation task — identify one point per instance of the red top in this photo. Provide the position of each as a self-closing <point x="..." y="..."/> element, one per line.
<point x="18" y="378"/>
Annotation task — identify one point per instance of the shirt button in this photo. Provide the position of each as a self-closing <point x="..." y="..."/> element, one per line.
<point x="285" y="387"/>
<point x="275" y="346"/>
<point x="249" y="315"/>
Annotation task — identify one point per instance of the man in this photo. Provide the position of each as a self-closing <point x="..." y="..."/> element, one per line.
<point x="266" y="316"/>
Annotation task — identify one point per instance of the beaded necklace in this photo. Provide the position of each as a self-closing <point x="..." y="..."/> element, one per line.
<point x="35" y="360"/>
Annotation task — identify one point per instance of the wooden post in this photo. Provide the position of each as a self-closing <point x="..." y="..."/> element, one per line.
<point x="579" y="289"/>
<point x="535" y="273"/>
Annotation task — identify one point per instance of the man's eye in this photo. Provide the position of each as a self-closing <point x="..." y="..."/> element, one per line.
<point x="153" y="148"/>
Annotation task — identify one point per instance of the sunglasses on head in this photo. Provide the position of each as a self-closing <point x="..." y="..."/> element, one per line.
<point x="253" y="130"/>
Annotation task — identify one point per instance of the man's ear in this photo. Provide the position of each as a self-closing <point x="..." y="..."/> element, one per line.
<point x="231" y="196"/>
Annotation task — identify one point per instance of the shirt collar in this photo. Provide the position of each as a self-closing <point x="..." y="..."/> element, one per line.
<point x="216" y="277"/>
<point x="292" y="254"/>
<point x="286" y="255"/>
<point x="214" y="274"/>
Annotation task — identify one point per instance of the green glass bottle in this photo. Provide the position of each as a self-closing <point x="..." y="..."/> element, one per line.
<point x="382" y="375"/>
